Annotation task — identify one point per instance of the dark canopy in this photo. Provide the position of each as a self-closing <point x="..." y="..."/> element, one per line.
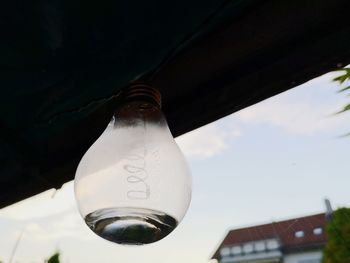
<point x="64" y="61"/>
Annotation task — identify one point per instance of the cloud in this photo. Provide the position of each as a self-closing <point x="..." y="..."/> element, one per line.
<point x="50" y="202"/>
<point x="69" y="224"/>
<point x="45" y="218"/>
<point x="206" y="141"/>
<point x="304" y="110"/>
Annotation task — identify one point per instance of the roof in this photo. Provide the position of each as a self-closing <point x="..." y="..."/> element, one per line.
<point x="62" y="67"/>
<point x="284" y="231"/>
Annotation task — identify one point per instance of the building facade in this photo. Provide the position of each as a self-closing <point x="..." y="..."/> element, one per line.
<point x="298" y="240"/>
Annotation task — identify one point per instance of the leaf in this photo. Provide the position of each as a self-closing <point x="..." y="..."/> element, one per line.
<point x="346" y="108"/>
<point x="344" y="135"/>
<point x="55" y="258"/>
<point x="341" y="78"/>
<point x="344" y="89"/>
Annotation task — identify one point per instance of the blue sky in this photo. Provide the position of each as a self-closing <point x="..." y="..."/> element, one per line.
<point x="274" y="160"/>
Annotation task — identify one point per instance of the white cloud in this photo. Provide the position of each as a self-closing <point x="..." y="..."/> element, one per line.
<point x="45" y="218"/>
<point x="206" y="141"/>
<point x="69" y="224"/>
<point x="50" y="202"/>
<point x="304" y="110"/>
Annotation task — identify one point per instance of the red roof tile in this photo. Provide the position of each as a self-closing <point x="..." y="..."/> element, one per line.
<point x="284" y="231"/>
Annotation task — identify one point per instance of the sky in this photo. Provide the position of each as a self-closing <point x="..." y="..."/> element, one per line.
<point x="275" y="160"/>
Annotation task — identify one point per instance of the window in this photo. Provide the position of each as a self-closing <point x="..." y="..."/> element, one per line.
<point x="317" y="231"/>
<point x="236" y="250"/>
<point x="309" y="261"/>
<point x="299" y="234"/>
<point x="272" y="244"/>
<point x="248" y="248"/>
<point x="225" y="251"/>
<point x="260" y="246"/>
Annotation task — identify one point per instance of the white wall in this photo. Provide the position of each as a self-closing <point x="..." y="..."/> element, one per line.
<point x="303" y="257"/>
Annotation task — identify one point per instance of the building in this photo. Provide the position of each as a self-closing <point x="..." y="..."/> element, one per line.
<point x="298" y="240"/>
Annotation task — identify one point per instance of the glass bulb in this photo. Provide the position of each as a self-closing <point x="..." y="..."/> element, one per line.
<point x="133" y="185"/>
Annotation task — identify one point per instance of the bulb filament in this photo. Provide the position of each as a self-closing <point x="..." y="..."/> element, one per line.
<point x="137" y="175"/>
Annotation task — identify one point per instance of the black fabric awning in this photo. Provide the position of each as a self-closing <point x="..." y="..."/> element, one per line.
<point x="63" y="63"/>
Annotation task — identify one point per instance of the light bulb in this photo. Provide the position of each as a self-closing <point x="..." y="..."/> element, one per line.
<point x="133" y="185"/>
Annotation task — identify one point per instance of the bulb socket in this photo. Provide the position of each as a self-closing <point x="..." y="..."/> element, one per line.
<point x="142" y="92"/>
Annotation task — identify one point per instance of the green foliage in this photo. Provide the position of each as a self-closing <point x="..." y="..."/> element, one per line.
<point x="337" y="249"/>
<point x="341" y="79"/>
<point x="55" y="258"/>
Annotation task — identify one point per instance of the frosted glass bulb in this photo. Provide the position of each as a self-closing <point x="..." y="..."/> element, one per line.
<point x="133" y="185"/>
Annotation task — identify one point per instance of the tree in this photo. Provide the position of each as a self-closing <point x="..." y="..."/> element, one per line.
<point x="341" y="79"/>
<point x="337" y="249"/>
